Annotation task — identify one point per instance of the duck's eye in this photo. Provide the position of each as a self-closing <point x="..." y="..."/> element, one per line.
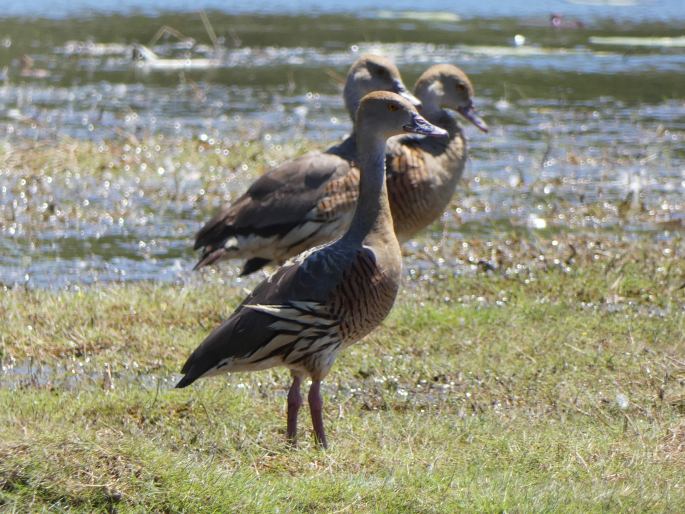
<point x="393" y="107"/>
<point x="461" y="87"/>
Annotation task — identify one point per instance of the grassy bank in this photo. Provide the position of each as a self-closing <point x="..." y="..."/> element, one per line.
<point x="560" y="388"/>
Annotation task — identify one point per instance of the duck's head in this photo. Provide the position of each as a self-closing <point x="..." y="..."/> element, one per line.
<point x="446" y="86"/>
<point x="373" y="73"/>
<point x="389" y="114"/>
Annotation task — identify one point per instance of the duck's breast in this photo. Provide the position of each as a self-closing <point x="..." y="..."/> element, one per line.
<point x="366" y="293"/>
<point x="421" y="182"/>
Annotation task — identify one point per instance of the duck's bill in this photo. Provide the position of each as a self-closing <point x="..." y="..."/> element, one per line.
<point x="469" y="112"/>
<point x="419" y="125"/>
<point x="404" y="93"/>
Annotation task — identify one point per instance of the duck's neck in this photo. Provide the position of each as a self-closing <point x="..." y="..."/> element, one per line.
<point x="430" y="106"/>
<point x="433" y="112"/>
<point x="450" y="150"/>
<point x="347" y="148"/>
<point x="351" y="98"/>
<point x="372" y="218"/>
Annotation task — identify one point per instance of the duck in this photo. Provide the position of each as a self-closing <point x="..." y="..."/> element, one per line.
<point x="329" y="297"/>
<point x="422" y="172"/>
<point x="281" y="214"/>
<point x="422" y="177"/>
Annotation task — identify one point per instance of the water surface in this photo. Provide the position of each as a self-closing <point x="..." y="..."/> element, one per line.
<point x="585" y="137"/>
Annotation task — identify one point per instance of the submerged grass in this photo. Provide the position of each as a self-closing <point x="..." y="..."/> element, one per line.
<point x="559" y="388"/>
<point x="165" y="187"/>
<point x="47" y="182"/>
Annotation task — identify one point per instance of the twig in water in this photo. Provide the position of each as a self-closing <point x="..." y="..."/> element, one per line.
<point x="166" y="29"/>
<point x="336" y="77"/>
<point x="210" y="30"/>
<point x="548" y="150"/>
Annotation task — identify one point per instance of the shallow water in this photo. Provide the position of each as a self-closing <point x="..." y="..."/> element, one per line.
<point x="579" y="130"/>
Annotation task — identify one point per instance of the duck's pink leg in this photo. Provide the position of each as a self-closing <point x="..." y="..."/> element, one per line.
<point x="316" y="408"/>
<point x="294" y="404"/>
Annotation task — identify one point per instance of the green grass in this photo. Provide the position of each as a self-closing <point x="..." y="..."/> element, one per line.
<point x="558" y="389"/>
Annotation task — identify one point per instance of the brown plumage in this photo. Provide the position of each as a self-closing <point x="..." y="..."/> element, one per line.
<point x="423" y="172"/>
<point x="315" y="203"/>
<point x="279" y="216"/>
<point x="329" y="297"/>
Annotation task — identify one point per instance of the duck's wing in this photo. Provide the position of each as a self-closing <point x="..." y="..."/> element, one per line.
<point x="285" y="319"/>
<point x="276" y="201"/>
<point x="404" y="155"/>
<point x="274" y="209"/>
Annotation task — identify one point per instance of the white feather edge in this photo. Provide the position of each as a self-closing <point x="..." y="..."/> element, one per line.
<point x="307" y="313"/>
